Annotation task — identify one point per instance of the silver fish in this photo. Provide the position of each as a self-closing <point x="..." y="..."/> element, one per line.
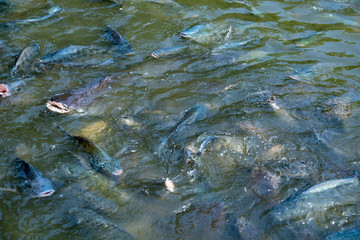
<point x="318" y="198"/>
<point x="25" y="59"/>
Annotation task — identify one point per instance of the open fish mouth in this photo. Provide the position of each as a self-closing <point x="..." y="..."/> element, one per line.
<point x="57" y="107"/>
<point x="46" y="193"/>
<point x="184" y="35"/>
<point x="4" y="90"/>
<point x="154" y="55"/>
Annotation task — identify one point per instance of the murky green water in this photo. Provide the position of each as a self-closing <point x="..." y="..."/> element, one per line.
<point x="313" y="136"/>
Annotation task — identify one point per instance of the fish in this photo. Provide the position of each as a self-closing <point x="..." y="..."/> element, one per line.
<point x="122" y="46"/>
<point x="310" y="40"/>
<point x="283" y="113"/>
<point x="205" y="33"/>
<point x="95" y="225"/>
<point x="170" y="51"/>
<point x="52" y="11"/>
<point x="7" y="89"/>
<point x="308" y="74"/>
<point x="193" y="114"/>
<point x="76" y="99"/>
<point x="98" y="160"/>
<point x="69" y="53"/>
<point x="33" y="183"/>
<point x="230" y="45"/>
<point x="319" y="198"/>
<point x="350" y="234"/>
<point x="25" y="59"/>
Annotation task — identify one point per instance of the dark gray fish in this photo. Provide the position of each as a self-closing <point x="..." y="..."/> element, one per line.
<point x="33" y="182"/>
<point x="75" y="100"/>
<point x="170" y="51"/>
<point x="70" y="53"/>
<point x="25" y="59"/>
<point x="52" y="11"/>
<point x="98" y="160"/>
<point x="193" y="114"/>
<point x="122" y="46"/>
<point x="351" y="234"/>
<point x="319" y="198"/>
<point x="97" y="226"/>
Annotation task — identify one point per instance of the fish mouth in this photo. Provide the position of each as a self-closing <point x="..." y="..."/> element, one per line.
<point x="46" y="193"/>
<point x="4" y="90"/>
<point x="117" y="172"/>
<point x="184" y="35"/>
<point x="57" y="106"/>
<point x="294" y="76"/>
<point x="154" y="55"/>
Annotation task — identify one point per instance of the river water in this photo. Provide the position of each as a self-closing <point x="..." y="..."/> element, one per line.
<point x="264" y="151"/>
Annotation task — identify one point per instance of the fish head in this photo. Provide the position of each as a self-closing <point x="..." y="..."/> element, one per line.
<point x="4" y="90"/>
<point x="41" y="187"/>
<point x="60" y="103"/>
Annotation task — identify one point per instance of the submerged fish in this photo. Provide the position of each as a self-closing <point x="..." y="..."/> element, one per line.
<point x="69" y="53"/>
<point x="26" y="58"/>
<point x="122" y="46"/>
<point x="97" y="226"/>
<point x="310" y="40"/>
<point x="351" y="234"/>
<point x="33" y="183"/>
<point x="230" y="45"/>
<point x="164" y="52"/>
<point x="205" y="33"/>
<point x="319" y="198"/>
<point x="76" y="99"/>
<point x="193" y="114"/>
<point x="98" y="160"/>
<point x="52" y="11"/>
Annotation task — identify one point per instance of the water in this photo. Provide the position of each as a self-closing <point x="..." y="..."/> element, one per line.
<point x="302" y="143"/>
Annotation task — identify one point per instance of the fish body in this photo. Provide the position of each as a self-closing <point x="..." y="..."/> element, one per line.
<point x="170" y="51"/>
<point x="97" y="225"/>
<point x="318" y="198"/>
<point x="25" y="59"/>
<point x="205" y="33"/>
<point x="230" y="45"/>
<point x="310" y="40"/>
<point x="351" y="234"/>
<point x="193" y="114"/>
<point x="76" y="99"/>
<point x="122" y="46"/>
<point x="98" y="160"/>
<point x="69" y="53"/>
<point x="33" y="182"/>
<point x="52" y="11"/>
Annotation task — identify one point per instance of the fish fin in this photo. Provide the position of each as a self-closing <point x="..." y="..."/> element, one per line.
<point x="309" y="217"/>
<point x="83" y="161"/>
<point x="88" y="145"/>
<point x="8" y="190"/>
